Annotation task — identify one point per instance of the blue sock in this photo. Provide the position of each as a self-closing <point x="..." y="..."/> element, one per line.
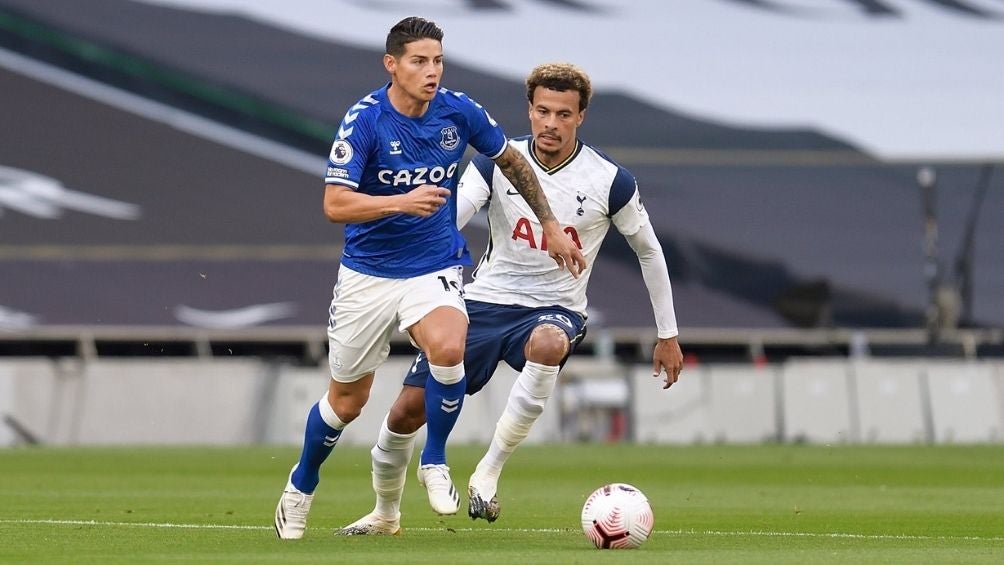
<point x="442" y="408"/>
<point x="319" y="439"/>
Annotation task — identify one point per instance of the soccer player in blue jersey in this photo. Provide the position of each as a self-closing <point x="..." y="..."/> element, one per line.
<point x="391" y="176"/>
<point x="522" y="309"/>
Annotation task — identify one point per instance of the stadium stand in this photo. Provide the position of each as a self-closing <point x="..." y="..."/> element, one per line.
<point x="773" y="230"/>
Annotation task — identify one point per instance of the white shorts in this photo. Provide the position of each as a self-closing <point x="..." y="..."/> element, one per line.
<point x="365" y="311"/>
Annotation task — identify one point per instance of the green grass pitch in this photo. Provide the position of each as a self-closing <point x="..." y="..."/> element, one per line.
<point x="712" y="504"/>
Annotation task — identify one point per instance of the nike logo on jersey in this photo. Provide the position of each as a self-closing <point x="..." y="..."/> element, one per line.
<point x="512" y="192"/>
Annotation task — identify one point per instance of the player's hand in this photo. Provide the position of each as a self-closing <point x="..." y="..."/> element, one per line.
<point x="563" y="250"/>
<point x="423" y="201"/>
<point x="667" y="357"/>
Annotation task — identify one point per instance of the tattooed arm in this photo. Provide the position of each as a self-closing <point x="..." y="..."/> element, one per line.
<point x="560" y="247"/>
<point x="519" y="172"/>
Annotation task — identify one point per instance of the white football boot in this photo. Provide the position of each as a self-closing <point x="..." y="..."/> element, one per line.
<point x="443" y="497"/>
<point x="372" y="525"/>
<point x="291" y="512"/>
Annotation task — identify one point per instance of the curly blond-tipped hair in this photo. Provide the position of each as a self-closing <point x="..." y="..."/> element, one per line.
<point x="560" y="77"/>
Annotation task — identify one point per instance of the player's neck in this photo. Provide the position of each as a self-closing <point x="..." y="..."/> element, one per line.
<point x="406" y="104"/>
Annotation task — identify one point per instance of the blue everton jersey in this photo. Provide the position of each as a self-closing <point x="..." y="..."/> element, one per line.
<point x="381" y="152"/>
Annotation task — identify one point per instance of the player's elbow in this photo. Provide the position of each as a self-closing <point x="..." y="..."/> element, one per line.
<point x="334" y="210"/>
<point x="331" y="212"/>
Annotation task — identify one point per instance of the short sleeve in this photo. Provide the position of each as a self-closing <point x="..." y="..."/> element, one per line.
<point x="487" y="136"/>
<point x="632" y="216"/>
<point x="351" y="148"/>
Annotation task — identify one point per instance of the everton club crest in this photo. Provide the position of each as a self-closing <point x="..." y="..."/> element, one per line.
<point x="450" y="139"/>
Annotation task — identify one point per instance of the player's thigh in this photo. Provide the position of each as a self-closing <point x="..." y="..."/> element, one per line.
<point x="432" y="311"/>
<point x="360" y="324"/>
<point x="494" y="333"/>
<point x="482" y="353"/>
<point x="548" y="319"/>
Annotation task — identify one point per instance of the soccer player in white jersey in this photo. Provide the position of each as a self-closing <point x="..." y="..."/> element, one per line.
<point x="522" y="309"/>
<point x="390" y="179"/>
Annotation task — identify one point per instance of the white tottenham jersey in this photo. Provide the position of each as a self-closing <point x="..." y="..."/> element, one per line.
<point x="587" y="192"/>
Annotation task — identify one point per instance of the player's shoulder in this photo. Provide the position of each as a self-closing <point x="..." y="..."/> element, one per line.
<point x="600" y="159"/>
<point x="522" y="143"/>
<point x="450" y="101"/>
<point x="455" y="98"/>
<point x="599" y="156"/>
<point x="365" y="111"/>
<point x="371" y="105"/>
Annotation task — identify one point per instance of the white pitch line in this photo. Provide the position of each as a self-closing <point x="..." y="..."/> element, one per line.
<point x="718" y="533"/>
<point x="138" y="524"/>
<point x="833" y="535"/>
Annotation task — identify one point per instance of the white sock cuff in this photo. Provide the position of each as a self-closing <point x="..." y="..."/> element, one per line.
<point x="328" y="414"/>
<point x="391" y="440"/>
<point x="447" y="375"/>
<point x="537" y="379"/>
<point x="542" y="369"/>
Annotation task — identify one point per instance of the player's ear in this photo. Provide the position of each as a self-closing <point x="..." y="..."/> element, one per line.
<point x="389" y="63"/>
<point x="582" y="117"/>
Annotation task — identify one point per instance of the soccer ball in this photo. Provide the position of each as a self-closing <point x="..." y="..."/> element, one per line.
<point x="617" y="516"/>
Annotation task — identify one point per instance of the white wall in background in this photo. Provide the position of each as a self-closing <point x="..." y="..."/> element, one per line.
<point x="978" y="388"/>
<point x="225" y="402"/>
<point x="891" y="400"/>
<point x="816" y="407"/>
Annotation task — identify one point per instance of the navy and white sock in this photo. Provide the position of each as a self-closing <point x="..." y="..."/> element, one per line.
<point x="319" y="437"/>
<point x="444" y="397"/>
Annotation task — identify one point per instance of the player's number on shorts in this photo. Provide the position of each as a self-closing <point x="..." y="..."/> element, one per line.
<point x="450" y="285"/>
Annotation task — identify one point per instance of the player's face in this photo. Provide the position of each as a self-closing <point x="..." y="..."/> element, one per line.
<point x="554" y="119"/>
<point x="418" y="71"/>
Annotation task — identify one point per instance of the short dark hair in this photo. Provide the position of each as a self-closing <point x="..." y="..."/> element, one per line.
<point x="411" y="29"/>
<point x="560" y="77"/>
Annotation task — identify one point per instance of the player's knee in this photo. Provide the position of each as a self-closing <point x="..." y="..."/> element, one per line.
<point x="446" y="352"/>
<point x="548" y="345"/>
<point x="347" y="412"/>
<point x="348" y="407"/>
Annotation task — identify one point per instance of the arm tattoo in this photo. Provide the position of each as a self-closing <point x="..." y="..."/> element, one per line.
<point x="516" y="168"/>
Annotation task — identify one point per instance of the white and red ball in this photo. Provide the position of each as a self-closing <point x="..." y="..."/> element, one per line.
<point x="617" y="516"/>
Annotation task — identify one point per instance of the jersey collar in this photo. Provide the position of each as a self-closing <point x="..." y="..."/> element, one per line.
<point x="559" y="166"/>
